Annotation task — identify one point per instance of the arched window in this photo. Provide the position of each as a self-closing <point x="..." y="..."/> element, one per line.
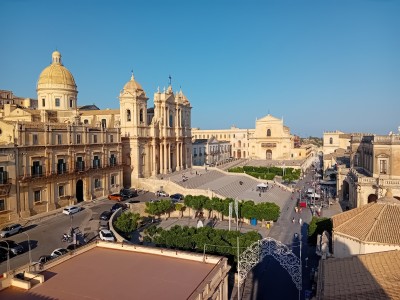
<point x="269" y="132"/>
<point x="128" y="115"/>
<point x="331" y="140"/>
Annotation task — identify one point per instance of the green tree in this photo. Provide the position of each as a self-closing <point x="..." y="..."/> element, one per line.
<point x="318" y="226"/>
<point x="127" y="222"/>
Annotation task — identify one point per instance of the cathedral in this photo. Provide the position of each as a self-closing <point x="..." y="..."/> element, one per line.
<point x="54" y="153"/>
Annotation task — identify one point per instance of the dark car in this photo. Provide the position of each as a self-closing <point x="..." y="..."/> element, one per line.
<point x="11" y="246"/>
<point x="3" y="254"/>
<point x="177" y="197"/>
<point x="116" y="206"/>
<point x="128" y="193"/>
<point x="106" y="215"/>
<point x="44" y="259"/>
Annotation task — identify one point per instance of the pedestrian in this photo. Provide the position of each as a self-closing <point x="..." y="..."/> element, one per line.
<point x="300" y="221"/>
<point x="259" y="194"/>
<point x="293" y="220"/>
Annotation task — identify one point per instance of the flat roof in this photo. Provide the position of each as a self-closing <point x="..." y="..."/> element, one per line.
<point x="103" y="273"/>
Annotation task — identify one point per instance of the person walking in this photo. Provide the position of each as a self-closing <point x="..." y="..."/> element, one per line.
<point x="300" y="221"/>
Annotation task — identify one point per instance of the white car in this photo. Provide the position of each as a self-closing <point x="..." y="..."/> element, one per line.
<point x="70" y="210"/>
<point x="58" y="252"/>
<point x="161" y="194"/>
<point x="106" y="235"/>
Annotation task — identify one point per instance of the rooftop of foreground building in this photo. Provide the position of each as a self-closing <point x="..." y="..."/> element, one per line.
<point x="120" y="271"/>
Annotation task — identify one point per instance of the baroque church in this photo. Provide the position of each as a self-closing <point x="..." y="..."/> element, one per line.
<point x="53" y="154"/>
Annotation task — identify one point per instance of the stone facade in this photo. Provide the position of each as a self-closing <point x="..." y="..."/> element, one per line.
<point x="270" y="140"/>
<point x="210" y="151"/>
<point x="53" y="155"/>
<point x="374" y="168"/>
<point x="333" y="140"/>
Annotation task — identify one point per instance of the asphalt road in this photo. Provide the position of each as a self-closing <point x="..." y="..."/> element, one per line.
<point x="269" y="280"/>
<point x="45" y="236"/>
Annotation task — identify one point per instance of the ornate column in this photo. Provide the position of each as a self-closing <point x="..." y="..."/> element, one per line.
<point x="165" y="161"/>
<point x="154" y="158"/>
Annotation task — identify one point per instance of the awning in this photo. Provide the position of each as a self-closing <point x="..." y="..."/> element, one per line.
<point x="262" y="185"/>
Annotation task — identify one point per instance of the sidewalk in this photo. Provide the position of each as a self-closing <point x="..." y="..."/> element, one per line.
<point x="47" y="215"/>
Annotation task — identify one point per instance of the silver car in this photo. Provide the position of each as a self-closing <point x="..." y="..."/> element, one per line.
<point x="10" y="230"/>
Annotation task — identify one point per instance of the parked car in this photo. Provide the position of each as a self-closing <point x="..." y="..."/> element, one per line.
<point x="103" y="225"/>
<point x="10" y="230"/>
<point x="106" y="235"/>
<point x="70" y="210"/>
<point x="128" y="193"/>
<point x="58" y="252"/>
<point x="44" y="259"/>
<point x="115" y="197"/>
<point x="11" y="246"/>
<point x="105" y="215"/>
<point x="3" y="254"/>
<point x="161" y="194"/>
<point x="177" y="197"/>
<point x="116" y="206"/>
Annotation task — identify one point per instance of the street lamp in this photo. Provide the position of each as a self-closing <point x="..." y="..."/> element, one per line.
<point x="8" y="256"/>
<point x="29" y="249"/>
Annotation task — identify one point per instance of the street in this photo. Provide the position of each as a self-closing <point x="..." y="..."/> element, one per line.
<point x="269" y="280"/>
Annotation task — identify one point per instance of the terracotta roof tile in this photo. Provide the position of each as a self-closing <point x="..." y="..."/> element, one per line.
<point x="375" y="223"/>
<point x="369" y="276"/>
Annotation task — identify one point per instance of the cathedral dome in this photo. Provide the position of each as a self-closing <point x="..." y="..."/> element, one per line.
<point x="132" y="86"/>
<point x="56" y="75"/>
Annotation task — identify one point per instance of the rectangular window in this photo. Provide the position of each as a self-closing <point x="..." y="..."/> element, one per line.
<point x="36" y="196"/>
<point x="383" y="166"/>
<point x="2" y="204"/>
<point x="111" y="139"/>
<point x="60" y="190"/>
<point x="78" y="138"/>
<point x="71" y="103"/>
<point x="113" y="179"/>
<point x="95" y="139"/>
<point x="113" y="160"/>
<point x="96" y="162"/>
<point x="59" y="139"/>
<point x="34" y="139"/>
<point x="43" y="102"/>
<point x="57" y="102"/>
<point x="97" y="183"/>
<point x="103" y="123"/>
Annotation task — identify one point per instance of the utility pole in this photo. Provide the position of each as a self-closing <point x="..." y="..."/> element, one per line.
<point x="238" y="283"/>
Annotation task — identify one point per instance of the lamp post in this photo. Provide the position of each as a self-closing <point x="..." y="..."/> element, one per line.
<point x="29" y="249"/>
<point x="8" y="256"/>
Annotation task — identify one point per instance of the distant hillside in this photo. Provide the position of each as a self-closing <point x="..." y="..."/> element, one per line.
<point x="312" y="140"/>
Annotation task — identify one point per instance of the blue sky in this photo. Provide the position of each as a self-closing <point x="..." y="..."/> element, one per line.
<point x="321" y="65"/>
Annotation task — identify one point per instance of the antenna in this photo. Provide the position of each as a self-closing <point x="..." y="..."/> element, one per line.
<point x="170" y="80"/>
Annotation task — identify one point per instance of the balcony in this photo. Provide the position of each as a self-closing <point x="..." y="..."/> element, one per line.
<point x="96" y="164"/>
<point x="5" y="184"/>
<point x="113" y="161"/>
<point x="36" y="171"/>
<point x="62" y="168"/>
<point x="80" y="166"/>
<point x="3" y="177"/>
